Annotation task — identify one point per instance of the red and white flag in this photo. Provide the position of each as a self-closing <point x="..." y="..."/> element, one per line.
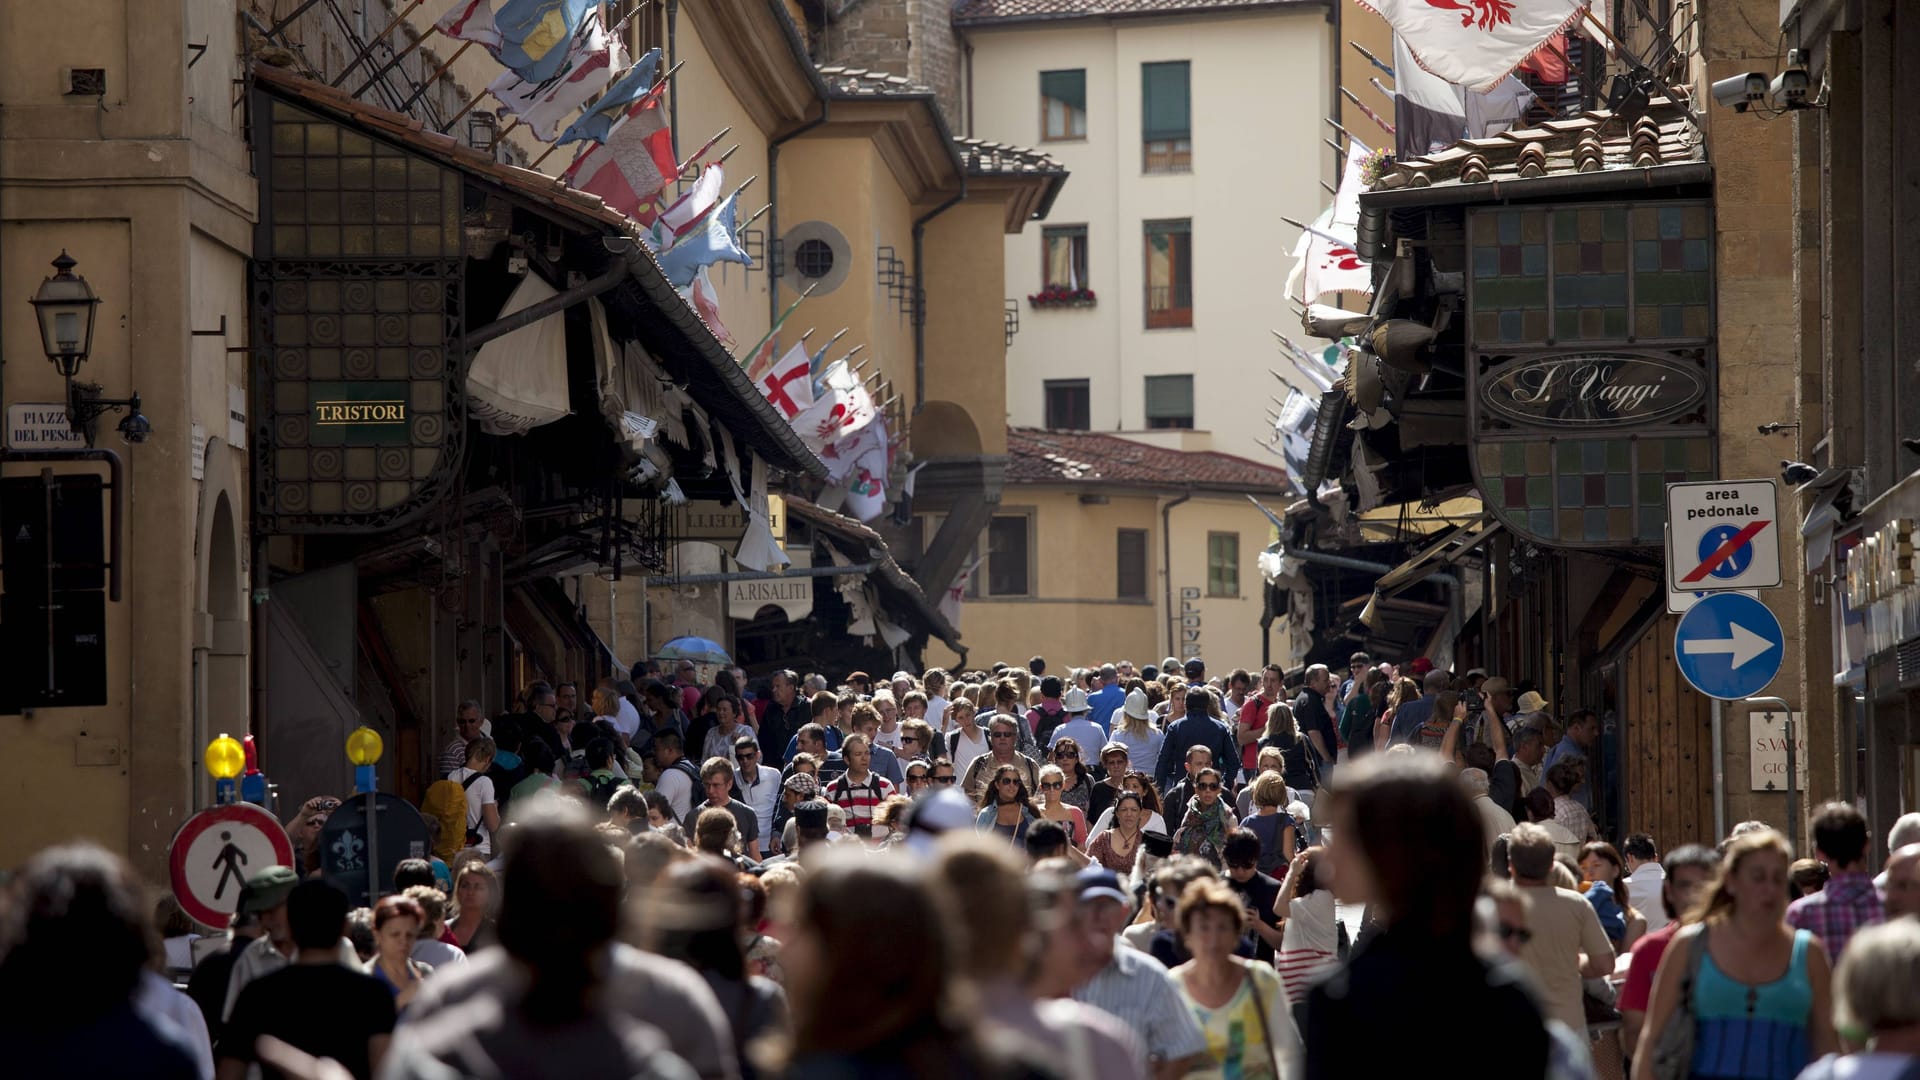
<point x="1476" y="43"/>
<point x="1325" y="262"/>
<point x="706" y="302"/>
<point x="471" y="20"/>
<point x="840" y="409"/>
<point x="866" y="477"/>
<point x="635" y="162"/>
<point x="687" y="209"/>
<point x="592" y="58"/>
<point x="787" y="385"/>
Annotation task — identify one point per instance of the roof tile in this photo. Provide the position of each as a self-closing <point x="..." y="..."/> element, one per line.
<point x="1039" y="456"/>
<point x="977" y="12"/>
<point x="1665" y="135"/>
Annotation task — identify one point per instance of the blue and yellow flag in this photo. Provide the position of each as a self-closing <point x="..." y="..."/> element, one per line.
<point x="535" y="34"/>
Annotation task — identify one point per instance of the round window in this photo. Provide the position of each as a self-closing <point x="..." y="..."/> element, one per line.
<point x="813" y="258"/>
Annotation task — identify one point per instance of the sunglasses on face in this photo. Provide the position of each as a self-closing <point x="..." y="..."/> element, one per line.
<point x="747" y="755"/>
<point x="1241" y="865"/>
<point x="916" y="779"/>
<point x="1515" y="933"/>
<point x="905" y="739"/>
<point x="1000" y="734"/>
<point x="1008" y="780"/>
<point x="1052" y="785"/>
<point x="1068" y="755"/>
<point x="947" y="779"/>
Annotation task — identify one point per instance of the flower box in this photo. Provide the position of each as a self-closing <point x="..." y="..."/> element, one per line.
<point x="1061" y="298"/>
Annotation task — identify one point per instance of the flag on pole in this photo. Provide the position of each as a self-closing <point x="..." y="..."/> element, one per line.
<point x="633" y="164"/>
<point x="706" y="303"/>
<point x="869" y="458"/>
<point x="786" y="386"/>
<point x="534" y="34"/>
<point x="704" y="246"/>
<point x="471" y="20"/>
<point x="687" y="210"/>
<point x="1325" y="262"/>
<point x="1475" y="43"/>
<point x="1549" y="62"/>
<point x="1432" y="114"/>
<point x="591" y="58"/>
<point x="631" y="86"/>
<point x="841" y="409"/>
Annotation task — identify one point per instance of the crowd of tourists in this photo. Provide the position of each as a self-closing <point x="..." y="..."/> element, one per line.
<point x="1099" y="872"/>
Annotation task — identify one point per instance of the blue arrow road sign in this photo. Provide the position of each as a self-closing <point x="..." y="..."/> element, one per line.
<point x="1729" y="646"/>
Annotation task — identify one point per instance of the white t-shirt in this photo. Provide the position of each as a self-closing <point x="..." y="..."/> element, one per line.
<point x="166" y="1006"/>
<point x="479" y="794"/>
<point x="678" y="789"/>
<point x="888" y="739"/>
<point x="1643" y="889"/>
<point x="965" y="749"/>
<point x="937" y="713"/>
<point x="437" y="953"/>
<point x="628" y="720"/>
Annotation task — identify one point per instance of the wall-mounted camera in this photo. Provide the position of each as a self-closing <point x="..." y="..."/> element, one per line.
<point x="1739" y="92"/>
<point x="1791" y="89"/>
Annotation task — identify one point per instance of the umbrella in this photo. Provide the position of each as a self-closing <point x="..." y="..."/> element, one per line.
<point x="697" y="649"/>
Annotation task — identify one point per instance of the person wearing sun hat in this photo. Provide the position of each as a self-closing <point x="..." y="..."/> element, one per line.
<point x="265" y="897"/>
<point x="1077" y="726"/>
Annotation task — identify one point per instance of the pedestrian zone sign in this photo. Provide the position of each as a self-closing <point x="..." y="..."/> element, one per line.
<point x="1722" y="535"/>
<point x="214" y="854"/>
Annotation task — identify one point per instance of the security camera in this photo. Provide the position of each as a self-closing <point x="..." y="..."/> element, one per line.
<point x="1740" y="92"/>
<point x="1796" y="473"/>
<point x="1789" y="88"/>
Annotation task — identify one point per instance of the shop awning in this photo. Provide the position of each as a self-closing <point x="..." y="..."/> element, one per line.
<point x="899" y="595"/>
<point x="1410" y="520"/>
<point x="642" y="301"/>
<point x="1455" y="544"/>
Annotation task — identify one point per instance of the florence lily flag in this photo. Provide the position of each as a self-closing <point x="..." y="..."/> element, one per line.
<point x="1476" y="43"/>
<point x="591" y="58"/>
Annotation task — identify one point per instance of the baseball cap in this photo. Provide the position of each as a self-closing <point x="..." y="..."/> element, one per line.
<point x="268" y="889"/>
<point x="860" y="676"/>
<point x="1195" y="666"/>
<point x="934" y="815"/>
<point x="1096" y="882"/>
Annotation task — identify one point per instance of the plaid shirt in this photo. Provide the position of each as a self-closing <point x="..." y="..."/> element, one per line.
<point x="1846" y="906"/>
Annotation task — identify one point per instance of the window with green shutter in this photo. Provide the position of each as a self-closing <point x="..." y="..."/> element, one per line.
<point x="1169" y="274"/>
<point x="1063" y="105"/>
<point x="1166" y="117"/>
<point x="1223" y="564"/>
<point x="1169" y="401"/>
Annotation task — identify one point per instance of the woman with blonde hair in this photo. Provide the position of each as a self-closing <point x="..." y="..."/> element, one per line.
<point x="1296" y="755"/>
<point x="1744" y="994"/>
<point x="1874" y="1004"/>
<point x="1242" y="1007"/>
<point x="476" y="899"/>
<point x="1054" y="807"/>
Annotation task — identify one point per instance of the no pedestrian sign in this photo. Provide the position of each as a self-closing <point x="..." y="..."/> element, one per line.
<point x="1721" y="535"/>
<point x="215" y="853"/>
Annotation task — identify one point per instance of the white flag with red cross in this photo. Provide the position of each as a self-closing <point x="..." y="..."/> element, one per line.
<point x="786" y="385"/>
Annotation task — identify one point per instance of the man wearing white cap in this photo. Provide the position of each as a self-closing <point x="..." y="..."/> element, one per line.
<point x="1078" y="726"/>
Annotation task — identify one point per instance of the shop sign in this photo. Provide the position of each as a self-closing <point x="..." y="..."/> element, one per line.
<point x="1767" y="750"/>
<point x="1594" y="389"/>
<point x="793" y="595"/>
<point x="358" y="413"/>
<point x="708" y="520"/>
<point x="1882" y="566"/>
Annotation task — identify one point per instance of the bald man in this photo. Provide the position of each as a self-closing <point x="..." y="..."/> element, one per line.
<point x="1903" y="882"/>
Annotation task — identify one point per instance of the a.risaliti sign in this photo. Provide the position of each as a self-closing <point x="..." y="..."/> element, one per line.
<point x="794" y="595"/>
<point x="1610" y="389"/>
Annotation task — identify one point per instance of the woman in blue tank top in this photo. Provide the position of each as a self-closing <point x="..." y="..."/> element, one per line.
<point x="1757" y="993"/>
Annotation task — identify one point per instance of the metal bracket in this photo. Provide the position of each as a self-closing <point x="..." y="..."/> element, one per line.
<point x="220" y="331"/>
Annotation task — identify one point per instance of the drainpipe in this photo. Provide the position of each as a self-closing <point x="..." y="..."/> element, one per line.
<point x="920" y="284"/>
<point x="1456" y="605"/>
<point x="673" y="99"/>
<point x="1166" y="562"/>
<point x="773" y="201"/>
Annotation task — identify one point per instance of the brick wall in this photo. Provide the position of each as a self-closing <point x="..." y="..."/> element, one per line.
<point x="912" y="38"/>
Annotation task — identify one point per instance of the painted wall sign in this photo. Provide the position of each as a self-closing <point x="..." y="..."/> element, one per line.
<point x="358" y="413"/>
<point x="1593" y="389"/>
<point x="793" y="595"/>
<point x="41" y="426"/>
<point x="707" y="519"/>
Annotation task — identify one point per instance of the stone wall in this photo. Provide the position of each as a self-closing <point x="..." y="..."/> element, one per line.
<point x="911" y="38"/>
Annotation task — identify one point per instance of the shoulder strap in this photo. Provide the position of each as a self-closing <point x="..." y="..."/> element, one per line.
<point x="468" y="782"/>
<point x="1260" y="1006"/>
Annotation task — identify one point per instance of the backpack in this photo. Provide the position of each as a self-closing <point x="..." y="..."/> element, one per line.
<point x="600" y="790"/>
<point x="473" y="830"/>
<point x="446" y="802"/>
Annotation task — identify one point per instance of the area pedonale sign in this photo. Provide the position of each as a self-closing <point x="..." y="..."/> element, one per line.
<point x="1594" y="388"/>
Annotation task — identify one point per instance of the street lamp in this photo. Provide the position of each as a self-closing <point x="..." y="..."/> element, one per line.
<point x="364" y="747"/>
<point x="65" y="306"/>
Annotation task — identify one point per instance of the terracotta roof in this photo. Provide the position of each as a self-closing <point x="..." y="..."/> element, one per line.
<point x="1039" y="456"/>
<point x="999" y="159"/>
<point x="977" y="12"/>
<point x="1593" y="142"/>
<point x="863" y="542"/>
<point x="693" y="352"/>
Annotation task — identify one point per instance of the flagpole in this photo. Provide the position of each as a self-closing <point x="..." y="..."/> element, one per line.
<point x="1329" y="188"/>
<point x="1374" y="81"/>
<point x="1369" y="113"/>
<point x="1339" y="129"/>
<point x="1372" y="59"/>
<point x="402" y="55"/>
<point x="1305" y="228"/>
<point x="1337" y="148"/>
<point x="753" y="365"/>
<point x="741" y="227"/>
<point x="693" y="159"/>
<point x="367" y="51"/>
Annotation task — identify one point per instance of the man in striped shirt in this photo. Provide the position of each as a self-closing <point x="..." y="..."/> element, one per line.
<point x="1132" y="985"/>
<point x="859" y="791"/>
<point x="467" y="725"/>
